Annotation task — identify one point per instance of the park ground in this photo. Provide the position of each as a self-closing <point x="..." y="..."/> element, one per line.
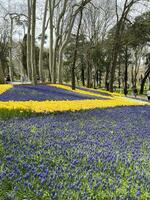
<point x="56" y="143"/>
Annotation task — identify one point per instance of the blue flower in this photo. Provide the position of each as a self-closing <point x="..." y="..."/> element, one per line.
<point x="40" y="93"/>
<point x="78" y="154"/>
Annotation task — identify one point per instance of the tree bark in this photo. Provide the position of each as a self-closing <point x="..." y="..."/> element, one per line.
<point x="99" y="76"/>
<point x="60" y="64"/>
<point x="1" y="74"/>
<point x="42" y="44"/>
<point x="137" y="64"/>
<point x="119" y="74"/>
<point x="59" y="33"/>
<point x="52" y="71"/>
<point x="62" y="47"/>
<point x="117" y="37"/>
<point x="107" y="77"/>
<point x="89" y="84"/>
<point x="10" y="50"/>
<point x="75" y="52"/>
<point x="126" y="72"/>
<point x="114" y="57"/>
<point x="147" y="73"/>
<point x="68" y="33"/>
<point x="29" y="72"/>
<point x="82" y="73"/>
<point x="33" y="23"/>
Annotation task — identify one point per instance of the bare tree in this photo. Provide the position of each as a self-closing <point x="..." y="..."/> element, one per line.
<point x="4" y="49"/>
<point x="75" y="51"/>
<point x="128" y="4"/>
<point x="97" y="19"/>
<point x="58" y="35"/>
<point x="62" y="15"/>
<point x="12" y="18"/>
<point x="65" y="39"/>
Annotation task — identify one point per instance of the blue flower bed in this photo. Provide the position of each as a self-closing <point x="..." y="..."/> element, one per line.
<point x="41" y="93"/>
<point x="99" y="154"/>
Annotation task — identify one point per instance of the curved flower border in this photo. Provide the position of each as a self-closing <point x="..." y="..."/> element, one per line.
<point x="76" y="105"/>
<point x="50" y="106"/>
<point x="5" y="87"/>
<point x="80" y="91"/>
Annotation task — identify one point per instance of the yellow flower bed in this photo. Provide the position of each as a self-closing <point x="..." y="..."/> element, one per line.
<point x="5" y="87"/>
<point x="106" y="92"/>
<point x="113" y="94"/>
<point x="79" y="91"/>
<point x="76" y="105"/>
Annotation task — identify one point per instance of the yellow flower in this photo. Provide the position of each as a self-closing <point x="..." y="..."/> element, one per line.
<point x="106" y="92"/>
<point x="90" y="93"/>
<point x="76" y="105"/>
<point x="5" y="87"/>
<point x="73" y="105"/>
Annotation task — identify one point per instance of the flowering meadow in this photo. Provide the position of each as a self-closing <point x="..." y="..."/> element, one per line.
<point x="91" y="154"/>
<point x="99" y="154"/>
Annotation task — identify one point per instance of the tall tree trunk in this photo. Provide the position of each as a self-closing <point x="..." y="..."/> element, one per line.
<point x="117" y="37"/>
<point x="10" y="50"/>
<point x="132" y="75"/>
<point x="99" y="76"/>
<point x="33" y="23"/>
<point x="42" y="43"/>
<point x="126" y="71"/>
<point x="57" y="50"/>
<point x="52" y="71"/>
<point x="1" y="74"/>
<point x="60" y="64"/>
<point x="119" y="74"/>
<point x="94" y="81"/>
<point x="61" y="50"/>
<point x="147" y="73"/>
<point x="113" y="65"/>
<point x="107" y="78"/>
<point x="67" y="36"/>
<point x="82" y="72"/>
<point x="137" y="66"/>
<point x="89" y="84"/>
<point x="75" y="52"/>
<point x="29" y="71"/>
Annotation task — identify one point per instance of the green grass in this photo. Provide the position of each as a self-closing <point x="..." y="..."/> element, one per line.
<point x="7" y="113"/>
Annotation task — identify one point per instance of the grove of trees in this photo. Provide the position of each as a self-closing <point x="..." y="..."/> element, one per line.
<point x="94" y="43"/>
